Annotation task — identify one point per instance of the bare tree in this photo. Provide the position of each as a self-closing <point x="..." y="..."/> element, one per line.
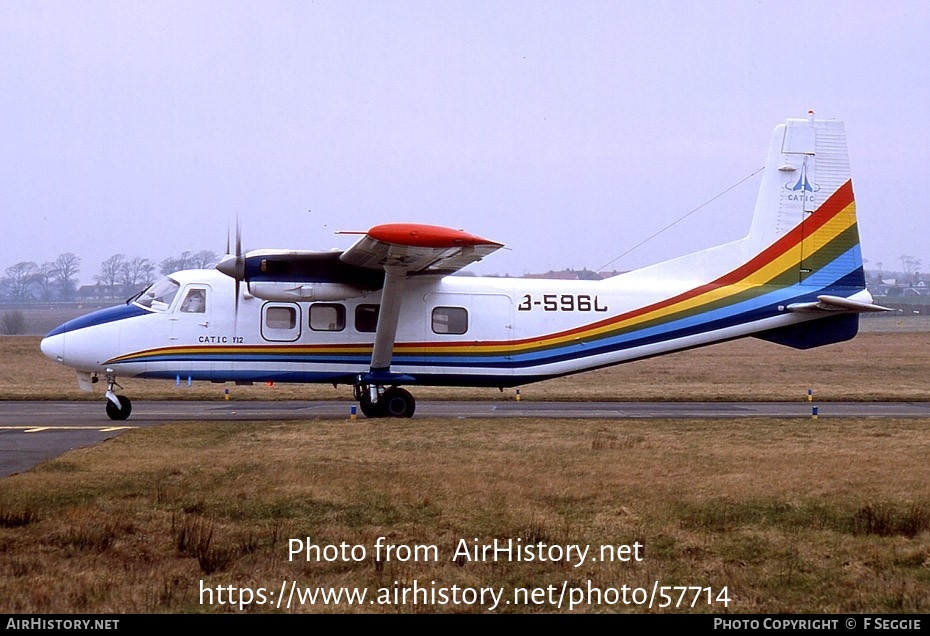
<point x="138" y="271"/>
<point x="111" y="271"/>
<point x="176" y="263"/>
<point x="204" y="259"/>
<point x="21" y="278"/>
<point x="66" y="267"/>
<point x="189" y="260"/>
<point x="44" y="281"/>
<point x="910" y="266"/>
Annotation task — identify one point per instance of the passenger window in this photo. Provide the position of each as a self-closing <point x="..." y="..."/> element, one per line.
<point x="450" y="320"/>
<point x="366" y="318"/>
<point x="327" y="317"/>
<point x="281" y="317"/>
<point x="280" y="322"/>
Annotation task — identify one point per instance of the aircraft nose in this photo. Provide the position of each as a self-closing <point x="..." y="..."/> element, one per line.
<point x="54" y="347"/>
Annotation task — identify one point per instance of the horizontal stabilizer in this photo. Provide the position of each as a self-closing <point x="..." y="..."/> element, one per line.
<point x="836" y="303"/>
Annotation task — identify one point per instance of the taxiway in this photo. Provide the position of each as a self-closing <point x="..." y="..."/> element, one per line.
<point x="33" y="432"/>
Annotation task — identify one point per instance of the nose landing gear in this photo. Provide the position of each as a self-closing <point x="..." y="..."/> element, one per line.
<point x="118" y="406"/>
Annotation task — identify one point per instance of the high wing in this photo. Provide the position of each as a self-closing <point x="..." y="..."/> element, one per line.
<point x="417" y="248"/>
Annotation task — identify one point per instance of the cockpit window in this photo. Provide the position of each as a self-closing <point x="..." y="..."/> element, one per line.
<point x="195" y="302"/>
<point x="158" y="295"/>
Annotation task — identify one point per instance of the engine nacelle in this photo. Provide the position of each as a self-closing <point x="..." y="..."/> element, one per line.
<point x="285" y="291"/>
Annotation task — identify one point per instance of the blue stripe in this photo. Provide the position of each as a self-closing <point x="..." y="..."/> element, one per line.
<point x="99" y="317"/>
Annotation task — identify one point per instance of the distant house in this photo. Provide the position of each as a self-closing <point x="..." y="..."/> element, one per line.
<point x="91" y="292"/>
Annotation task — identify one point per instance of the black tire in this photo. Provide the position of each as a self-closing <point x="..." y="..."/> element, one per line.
<point x="397" y="402"/>
<point x="122" y="412"/>
<point x="370" y="409"/>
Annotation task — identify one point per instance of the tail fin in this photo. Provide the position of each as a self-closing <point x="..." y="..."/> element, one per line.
<point x="797" y="277"/>
<point x="806" y="207"/>
<point x="805" y="217"/>
<point x="803" y="233"/>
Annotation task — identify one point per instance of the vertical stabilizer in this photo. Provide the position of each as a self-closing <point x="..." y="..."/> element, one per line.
<point x="806" y="192"/>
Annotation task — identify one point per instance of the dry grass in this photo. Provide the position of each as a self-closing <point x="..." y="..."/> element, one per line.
<point x="790" y="516"/>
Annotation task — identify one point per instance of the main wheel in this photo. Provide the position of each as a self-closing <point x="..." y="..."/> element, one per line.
<point x="369" y="408"/>
<point x="122" y="412"/>
<point x="397" y="402"/>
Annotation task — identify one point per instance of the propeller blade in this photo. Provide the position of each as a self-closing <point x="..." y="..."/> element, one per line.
<point x="240" y="268"/>
<point x="233" y="265"/>
<point x="236" y="310"/>
<point x="238" y="239"/>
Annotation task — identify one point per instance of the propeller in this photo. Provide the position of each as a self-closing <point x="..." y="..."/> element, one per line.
<point x="233" y="265"/>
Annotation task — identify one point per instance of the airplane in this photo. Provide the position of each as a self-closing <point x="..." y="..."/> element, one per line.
<point x="387" y="313"/>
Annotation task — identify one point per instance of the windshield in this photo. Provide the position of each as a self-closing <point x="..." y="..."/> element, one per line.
<point x="158" y="295"/>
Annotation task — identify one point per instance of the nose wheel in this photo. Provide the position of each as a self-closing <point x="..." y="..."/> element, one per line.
<point x="118" y="406"/>
<point x="120" y="412"/>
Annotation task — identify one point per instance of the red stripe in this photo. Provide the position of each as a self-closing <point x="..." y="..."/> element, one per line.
<point x="827" y="210"/>
<point x="837" y="202"/>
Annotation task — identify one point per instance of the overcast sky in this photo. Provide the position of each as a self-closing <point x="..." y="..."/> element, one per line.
<point x="569" y="131"/>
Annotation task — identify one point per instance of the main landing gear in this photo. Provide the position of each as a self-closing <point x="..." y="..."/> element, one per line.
<point x="378" y="401"/>
<point x="118" y="406"/>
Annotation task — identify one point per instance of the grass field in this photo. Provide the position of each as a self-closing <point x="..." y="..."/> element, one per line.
<point x="751" y="516"/>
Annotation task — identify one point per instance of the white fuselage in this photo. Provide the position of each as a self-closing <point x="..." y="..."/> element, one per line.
<point x="452" y="330"/>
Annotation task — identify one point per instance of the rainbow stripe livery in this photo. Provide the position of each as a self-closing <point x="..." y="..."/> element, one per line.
<point x="386" y="312"/>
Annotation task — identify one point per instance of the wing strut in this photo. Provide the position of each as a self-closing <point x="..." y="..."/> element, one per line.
<point x="374" y="398"/>
<point x="395" y="279"/>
